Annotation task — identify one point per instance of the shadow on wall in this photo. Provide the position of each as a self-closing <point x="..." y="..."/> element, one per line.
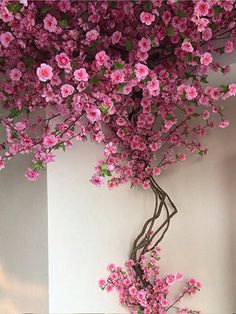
<point x="230" y="207"/>
<point x="11" y="289"/>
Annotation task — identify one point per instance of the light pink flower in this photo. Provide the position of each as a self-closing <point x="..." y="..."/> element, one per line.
<point x="133" y="291"/>
<point x="141" y="71"/>
<point x="81" y="75"/>
<point x="206" y="115"/>
<point x="178" y="276"/>
<point x="215" y="93"/>
<point x="50" y="23"/>
<point x="6" y="38"/>
<point x="102" y="283"/>
<point x="93" y="114"/>
<point x="229" y="46"/>
<point x="191" y="92"/>
<point x="201" y="8"/>
<point x="170" y="279"/>
<point x="154" y="87"/>
<point x="187" y="46"/>
<point x="64" y="5"/>
<point x="117" y="76"/>
<point x="67" y="90"/>
<point x="110" y="149"/>
<point x="116" y="36"/>
<point x="44" y="72"/>
<point x="156" y="171"/>
<point x="147" y="18"/>
<point x="223" y="124"/>
<point x="97" y="180"/>
<point x="206" y="58"/>
<point x="207" y="34"/>
<point x="92" y="35"/>
<point x="50" y="140"/>
<point x="232" y="89"/>
<point x="15" y="74"/>
<point x="63" y="61"/>
<point x="31" y="174"/>
<point x="144" y="44"/>
<point x="101" y="58"/>
<point x="2" y="164"/>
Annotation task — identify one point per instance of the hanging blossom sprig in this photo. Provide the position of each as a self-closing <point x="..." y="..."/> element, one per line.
<point x="152" y="295"/>
<point x="131" y="76"/>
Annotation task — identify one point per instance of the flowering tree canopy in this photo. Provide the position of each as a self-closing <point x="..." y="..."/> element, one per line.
<point x="131" y="75"/>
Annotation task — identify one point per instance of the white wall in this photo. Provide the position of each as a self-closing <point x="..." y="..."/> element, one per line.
<point x="89" y="227"/>
<point x="23" y="241"/>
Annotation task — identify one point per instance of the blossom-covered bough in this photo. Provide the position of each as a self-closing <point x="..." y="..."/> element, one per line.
<point x="130" y="75"/>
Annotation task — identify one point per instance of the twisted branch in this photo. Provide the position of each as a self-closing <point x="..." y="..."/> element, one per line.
<point x="147" y="239"/>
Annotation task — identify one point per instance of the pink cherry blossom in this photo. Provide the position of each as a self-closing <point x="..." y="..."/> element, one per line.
<point x="81" y="75"/>
<point x="202" y="8"/>
<point x="117" y="76"/>
<point x="2" y="164"/>
<point x="101" y="58"/>
<point x="6" y="38"/>
<point x="92" y="35"/>
<point x="97" y="180"/>
<point x="147" y="18"/>
<point x="187" y="46"/>
<point x="50" y="140"/>
<point x="223" y="124"/>
<point x="206" y="58"/>
<point x="44" y="72"/>
<point x="110" y="149"/>
<point x="50" y="23"/>
<point x="67" y="90"/>
<point x="141" y="71"/>
<point x="63" y="61"/>
<point x="116" y="36"/>
<point x="31" y="174"/>
<point x="191" y="92"/>
<point x="15" y="74"/>
<point x="232" y="89"/>
<point x="229" y="46"/>
<point x="93" y="114"/>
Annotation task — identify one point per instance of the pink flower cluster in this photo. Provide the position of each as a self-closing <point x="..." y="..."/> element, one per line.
<point x="152" y="294"/>
<point x="129" y="75"/>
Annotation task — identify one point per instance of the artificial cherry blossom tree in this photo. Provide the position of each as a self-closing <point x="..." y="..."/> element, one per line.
<point x="129" y="75"/>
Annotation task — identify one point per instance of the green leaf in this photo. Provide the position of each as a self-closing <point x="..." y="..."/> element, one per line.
<point x="28" y="61"/>
<point x="102" y="71"/>
<point x="38" y="165"/>
<point x="121" y="87"/>
<point x="14" y="134"/>
<point x="170" y="31"/>
<point x="201" y="152"/>
<point x="45" y="10"/>
<point x="197" y="59"/>
<point x="64" y="23"/>
<point x="169" y="117"/>
<point x="140" y="311"/>
<point x="104" y="109"/>
<point x="94" y="80"/>
<point x="224" y="88"/>
<point x="128" y="44"/>
<point x="104" y="167"/>
<point x="217" y="9"/>
<point x="118" y="66"/>
<point x="181" y="13"/>
<point x="14" y="7"/>
<point x="113" y="4"/>
<point x="14" y="113"/>
<point x="153" y="43"/>
<point x="154" y="108"/>
<point x="148" y="6"/>
<point x="189" y="57"/>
